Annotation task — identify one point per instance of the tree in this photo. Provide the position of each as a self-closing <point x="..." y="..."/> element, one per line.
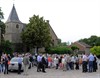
<point x="7" y="47"/>
<point x="59" y="41"/>
<point x="2" y="25"/>
<point x="92" y="41"/>
<point x="37" y="33"/>
<point x="1" y="14"/>
<point x="2" y="31"/>
<point x="74" y="49"/>
<point x="95" y="50"/>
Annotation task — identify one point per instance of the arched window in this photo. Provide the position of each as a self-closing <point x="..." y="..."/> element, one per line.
<point x="17" y="26"/>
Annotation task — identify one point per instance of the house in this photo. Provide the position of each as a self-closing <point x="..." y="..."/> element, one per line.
<point x="83" y="47"/>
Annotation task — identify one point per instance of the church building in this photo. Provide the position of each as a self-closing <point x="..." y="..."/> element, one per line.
<point x="14" y="27"/>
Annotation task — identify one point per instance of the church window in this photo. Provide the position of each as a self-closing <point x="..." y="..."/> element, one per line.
<point x="22" y="29"/>
<point x="17" y="26"/>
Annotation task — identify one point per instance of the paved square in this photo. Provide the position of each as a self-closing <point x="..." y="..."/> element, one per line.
<point x="53" y="73"/>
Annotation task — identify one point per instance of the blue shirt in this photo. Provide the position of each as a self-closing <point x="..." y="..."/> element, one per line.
<point x="19" y="60"/>
<point x="39" y="58"/>
<point x="91" y="57"/>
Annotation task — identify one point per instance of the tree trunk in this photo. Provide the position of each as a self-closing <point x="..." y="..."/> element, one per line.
<point x="36" y="50"/>
<point x="25" y="48"/>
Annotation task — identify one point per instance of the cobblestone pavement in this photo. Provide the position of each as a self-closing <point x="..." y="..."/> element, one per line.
<point x="53" y="73"/>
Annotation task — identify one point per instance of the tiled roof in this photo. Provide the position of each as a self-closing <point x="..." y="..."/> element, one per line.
<point x="84" y="44"/>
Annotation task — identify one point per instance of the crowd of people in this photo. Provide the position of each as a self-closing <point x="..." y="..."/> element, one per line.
<point x="65" y="62"/>
<point x="88" y="63"/>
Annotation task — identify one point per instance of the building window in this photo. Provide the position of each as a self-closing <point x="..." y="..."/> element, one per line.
<point x="22" y="29"/>
<point x="17" y="26"/>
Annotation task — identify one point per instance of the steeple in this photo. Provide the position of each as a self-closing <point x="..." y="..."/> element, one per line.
<point x="13" y="17"/>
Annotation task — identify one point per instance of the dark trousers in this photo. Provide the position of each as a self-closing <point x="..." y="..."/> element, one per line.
<point x="30" y="65"/>
<point x="39" y="66"/>
<point x="72" y="65"/>
<point x="77" y="65"/>
<point x="6" y="69"/>
<point x="19" y="68"/>
<point x="84" y="66"/>
<point x="57" y="66"/>
<point x="43" y="67"/>
<point x="94" y="66"/>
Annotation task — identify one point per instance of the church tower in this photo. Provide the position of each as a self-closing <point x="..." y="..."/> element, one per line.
<point x="13" y="30"/>
<point x="13" y="27"/>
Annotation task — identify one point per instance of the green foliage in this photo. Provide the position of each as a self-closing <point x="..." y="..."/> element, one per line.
<point x="1" y="14"/>
<point x="59" y="41"/>
<point x="2" y="25"/>
<point x="62" y="44"/>
<point x="6" y="47"/>
<point x="36" y="33"/>
<point x="95" y="50"/>
<point x="59" y="50"/>
<point x="92" y="41"/>
<point x="74" y="48"/>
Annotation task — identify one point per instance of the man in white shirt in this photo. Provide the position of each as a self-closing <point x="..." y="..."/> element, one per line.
<point x="84" y="63"/>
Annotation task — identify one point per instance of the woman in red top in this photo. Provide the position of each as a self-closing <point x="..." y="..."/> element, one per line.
<point x="49" y="62"/>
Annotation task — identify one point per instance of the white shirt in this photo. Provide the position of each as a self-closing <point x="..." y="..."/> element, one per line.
<point x="84" y="58"/>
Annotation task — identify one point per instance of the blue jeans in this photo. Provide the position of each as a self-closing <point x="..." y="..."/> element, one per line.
<point x="90" y="66"/>
<point x="0" y="67"/>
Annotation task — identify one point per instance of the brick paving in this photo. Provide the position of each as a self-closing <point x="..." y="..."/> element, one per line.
<point x="53" y="73"/>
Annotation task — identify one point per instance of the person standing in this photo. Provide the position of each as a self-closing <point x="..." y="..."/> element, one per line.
<point x="19" y="64"/>
<point x="95" y="66"/>
<point x="43" y="61"/>
<point x="56" y="62"/>
<point x="90" y="59"/>
<point x="77" y="63"/>
<point x="84" y="63"/>
<point x="2" y="64"/>
<point x="64" y="62"/>
<point x="49" y="61"/>
<point x="26" y="63"/>
<point x="6" y="64"/>
<point x="72" y="62"/>
<point x="39" y="62"/>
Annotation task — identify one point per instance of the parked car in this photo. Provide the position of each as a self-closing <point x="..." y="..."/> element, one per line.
<point x="13" y="65"/>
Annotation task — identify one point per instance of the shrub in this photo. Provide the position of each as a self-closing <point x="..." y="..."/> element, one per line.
<point x="58" y="50"/>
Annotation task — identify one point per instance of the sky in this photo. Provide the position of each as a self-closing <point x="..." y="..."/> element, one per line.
<point x="71" y="20"/>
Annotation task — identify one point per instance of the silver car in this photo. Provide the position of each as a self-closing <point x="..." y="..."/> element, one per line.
<point x="14" y="64"/>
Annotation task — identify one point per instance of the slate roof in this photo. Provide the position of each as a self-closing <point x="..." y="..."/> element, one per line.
<point x="13" y="17"/>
